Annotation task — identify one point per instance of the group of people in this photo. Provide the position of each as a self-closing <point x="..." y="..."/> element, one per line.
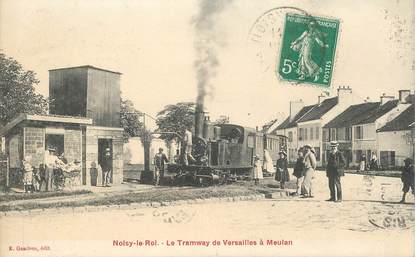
<point x="304" y="170"/>
<point x="306" y="164"/>
<point x="50" y="174"/>
<point x="364" y="164"/>
<point x="103" y="169"/>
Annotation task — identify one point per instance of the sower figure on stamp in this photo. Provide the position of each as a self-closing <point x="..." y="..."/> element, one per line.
<point x="407" y="178"/>
<point x="159" y="160"/>
<point x="304" y="45"/>
<point x="335" y="170"/>
<point x="107" y="167"/>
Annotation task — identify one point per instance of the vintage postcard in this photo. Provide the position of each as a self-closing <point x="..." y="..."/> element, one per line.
<point x="207" y="128"/>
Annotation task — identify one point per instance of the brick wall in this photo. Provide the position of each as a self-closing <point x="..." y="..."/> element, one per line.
<point x="72" y="143"/>
<point x="34" y="145"/>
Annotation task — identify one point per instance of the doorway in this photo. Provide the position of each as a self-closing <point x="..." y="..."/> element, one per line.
<point x="103" y="144"/>
<point x="55" y="141"/>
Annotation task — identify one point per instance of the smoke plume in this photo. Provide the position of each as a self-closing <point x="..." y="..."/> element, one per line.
<point x="207" y="41"/>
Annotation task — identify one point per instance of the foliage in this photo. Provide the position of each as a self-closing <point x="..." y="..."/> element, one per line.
<point x="17" y="91"/>
<point x="175" y="118"/>
<point x="130" y="120"/>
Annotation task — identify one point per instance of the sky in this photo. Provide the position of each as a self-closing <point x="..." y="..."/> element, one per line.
<point x="152" y="43"/>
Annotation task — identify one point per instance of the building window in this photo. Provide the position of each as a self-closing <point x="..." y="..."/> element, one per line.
<point x="387" y="159"/>
<point x="317" y="133"/>
<point x="333" y="134"/>
<point x="358" y="132"/>
<point x="301" y="136"/>
<point x="317" y="150"/>
<point x="348" y="134"/>
<point x="290" y="136"/>
<point x="251" y="141"/>
<point x="259" y="143"/>
<point x="326" y="135"/>
<point x="305" y="134"/>
<point x="311" y="133"/>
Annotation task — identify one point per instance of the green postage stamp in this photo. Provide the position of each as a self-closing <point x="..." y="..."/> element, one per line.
<point x="308" y="49"/>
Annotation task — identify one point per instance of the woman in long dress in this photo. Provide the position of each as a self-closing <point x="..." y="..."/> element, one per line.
<point x="282" y="170"/>
<point x="268" y="164"/>
<point x="310" y="164"/>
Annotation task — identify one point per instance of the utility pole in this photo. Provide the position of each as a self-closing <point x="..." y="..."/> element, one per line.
<point x="146" y="146"/>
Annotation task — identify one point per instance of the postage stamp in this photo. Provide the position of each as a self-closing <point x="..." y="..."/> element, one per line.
<point x="308" y="49"/>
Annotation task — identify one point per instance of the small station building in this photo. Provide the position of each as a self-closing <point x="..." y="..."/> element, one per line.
<point x="84" y="121"/>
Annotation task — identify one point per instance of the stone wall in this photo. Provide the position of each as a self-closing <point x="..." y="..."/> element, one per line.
<point x="34" y="145"/>
<point x="72" y="141"/>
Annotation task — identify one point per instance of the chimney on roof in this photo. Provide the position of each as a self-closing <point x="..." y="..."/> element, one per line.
<point x="321" y="98"/>
<point x="404" y="96"/>
<point x="344" y="95"/>
<point x="385" y="98"/>
<point x="295" y="107"/>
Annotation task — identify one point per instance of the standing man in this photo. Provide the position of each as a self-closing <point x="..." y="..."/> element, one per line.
<point x="50" y="162"/>
<point x="159" y="160"/>
<point x="106" y="167"/>
<point x="299" y="171"/>
<point x="335" y="170"/>
<point x="407" y="178"/>
<point x="310" y="164"/>
<point x="188" y="147"/>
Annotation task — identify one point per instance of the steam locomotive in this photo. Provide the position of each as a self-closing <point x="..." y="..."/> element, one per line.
<point x="222" y="153"/>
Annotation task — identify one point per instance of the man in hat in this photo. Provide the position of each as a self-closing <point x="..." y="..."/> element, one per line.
<point x="159" y="160"/>
<point x="310" y="164"/>
<point x="106" y="167"/>
<point x="407" y="178"/>
<point x="50" y="163"/>
<point x="335" y="170"/>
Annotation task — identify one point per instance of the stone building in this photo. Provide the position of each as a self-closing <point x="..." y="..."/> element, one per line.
<point x="395" y="142"/>
<point x="84" y="121"/>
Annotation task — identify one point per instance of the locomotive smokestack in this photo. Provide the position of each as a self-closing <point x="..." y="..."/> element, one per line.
<point x="207" y="41"/>
<point x="199" y="119"/>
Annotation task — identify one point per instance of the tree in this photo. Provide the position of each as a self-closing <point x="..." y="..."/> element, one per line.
<point x="130" y="120"/>
<point x="175" y="118"/>
<point x="17" y="91"/>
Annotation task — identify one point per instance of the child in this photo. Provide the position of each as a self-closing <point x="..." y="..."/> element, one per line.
<point x="36" y="180"/>
<point x="407" y="178"/>
<point x="257" y="170"/>
<point x="299" y="171"/>
<point x="28" y="175"/>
